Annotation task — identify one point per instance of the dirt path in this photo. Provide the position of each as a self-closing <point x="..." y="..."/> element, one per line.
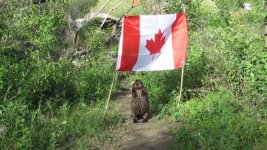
<point x="153" y="135"/>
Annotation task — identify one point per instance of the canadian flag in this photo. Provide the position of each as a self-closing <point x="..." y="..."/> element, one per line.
<point x="150" y="43"/>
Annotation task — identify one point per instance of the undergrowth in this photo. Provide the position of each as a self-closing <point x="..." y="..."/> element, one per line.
<point x="61" y="128"/>
<point x="223" y="103"/>
<point x="49" y="97"/>
<point x="219" y="121"/>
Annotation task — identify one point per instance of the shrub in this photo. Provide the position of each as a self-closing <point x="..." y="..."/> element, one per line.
<point x="218" y="121"/>
<point x="21" y="128"/>
<point x="15" y="130"/>
<point x="42" y="99"/>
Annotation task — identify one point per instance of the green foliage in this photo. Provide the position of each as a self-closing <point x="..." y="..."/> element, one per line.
<point x="226" y="50"/>
<point x="218" y="121"/>
<point x="32" y="28"/>
<point x="191" y="7"/>
<point x="50" y="81"/>
<point x="47" y="100"/>
<point x="159" y="90"/>
<point x="231" y="52"/>
<point x="95" y="40"/>
<point x="25" y="129"/>
<point x="96" y="69"/>
<point x="31" y="70"/>
<point x="30" y="36"/>
<point x="94" y="82"/>
<point x="164" y="85"/>
<point x="15" y="133"/>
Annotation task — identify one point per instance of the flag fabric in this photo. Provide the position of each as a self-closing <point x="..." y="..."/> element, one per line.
<point x="153" y="42"/>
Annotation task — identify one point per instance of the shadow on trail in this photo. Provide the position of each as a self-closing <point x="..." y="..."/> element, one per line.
<point x="143" y="141"/>
<point x="120" y="92"/>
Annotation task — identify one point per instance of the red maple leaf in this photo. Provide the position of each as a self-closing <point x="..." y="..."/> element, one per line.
<point x="155" y="46"/>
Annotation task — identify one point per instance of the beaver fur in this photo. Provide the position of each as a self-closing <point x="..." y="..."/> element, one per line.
<point x="140" y="102"/>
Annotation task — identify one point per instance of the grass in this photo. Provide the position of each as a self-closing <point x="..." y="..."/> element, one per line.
<point x="122" y="9"/>
<point x="219" y="121"/>
<point x="209" y="5"/>
<point x="67" y="127"/>
<point x="92" y="127"/>
<point x="221" y="55"/>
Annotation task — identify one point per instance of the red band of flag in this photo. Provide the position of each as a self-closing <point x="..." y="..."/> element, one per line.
<point x="131" y="41"/>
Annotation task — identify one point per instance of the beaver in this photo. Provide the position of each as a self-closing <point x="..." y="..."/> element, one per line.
<point x="140" y="102"/>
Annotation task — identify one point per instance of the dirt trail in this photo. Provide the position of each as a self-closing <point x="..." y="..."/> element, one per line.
<point x="153" y="135"/>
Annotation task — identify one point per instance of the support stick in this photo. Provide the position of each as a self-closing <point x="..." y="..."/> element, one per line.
<point x="181" y="87"/>
<point x="109" y="95"/>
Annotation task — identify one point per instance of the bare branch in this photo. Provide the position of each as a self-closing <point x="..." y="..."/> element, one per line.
<point x="109" y="13"/>
<point x="2" y="8"/>
<point x="101" y="8"/>
<point x="78" y="53"/>
<point x="132" y="7"/>
<point x="90" y="17"/>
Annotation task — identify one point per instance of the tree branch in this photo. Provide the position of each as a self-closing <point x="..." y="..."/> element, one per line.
<point x="2" y="8"/>
<point x="109" y="13"/>
<point x="101" y="8"/>
<point x="90" y="16"/>
<point x="132" y="7"/>
<point x="78" y="53"/>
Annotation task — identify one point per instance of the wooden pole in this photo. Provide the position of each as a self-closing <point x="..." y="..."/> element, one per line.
<point x="181" y="87"/>
<point x="110" y="92"/>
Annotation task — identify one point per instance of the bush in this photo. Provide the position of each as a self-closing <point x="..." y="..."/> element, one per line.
<point x="21" y="128"/>
<point x="94" y="80"/>
<point x="78" y="8"/>
<point x="193" y="10"/>
<point x="225" y="51"/>
<point x="30" y="39"/>
<point x="47" y="102"/>
<point x="15" y="131"/>
<point x="28" y="66"/>
<point x="218" y="121"/>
